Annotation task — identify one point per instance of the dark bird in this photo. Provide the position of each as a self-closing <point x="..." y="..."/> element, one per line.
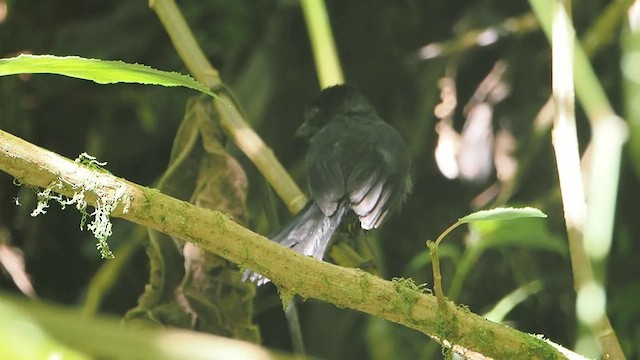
<point x="355" y="162"/>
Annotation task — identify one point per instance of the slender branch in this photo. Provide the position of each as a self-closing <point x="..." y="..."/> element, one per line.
<point x="292" y="272"/>
<point x="478" y="37"/>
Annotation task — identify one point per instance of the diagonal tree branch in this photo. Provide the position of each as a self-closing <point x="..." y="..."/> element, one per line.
<point x="231" y="117"/>
<point x="397" y="301"/>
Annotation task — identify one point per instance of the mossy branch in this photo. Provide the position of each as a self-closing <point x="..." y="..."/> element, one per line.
<point x="293" y="272"/>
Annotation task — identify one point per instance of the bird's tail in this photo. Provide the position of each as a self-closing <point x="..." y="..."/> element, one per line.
<point x="308" y="233"/>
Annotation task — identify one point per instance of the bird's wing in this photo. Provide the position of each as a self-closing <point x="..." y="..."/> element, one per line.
<point x="370" y="188"/>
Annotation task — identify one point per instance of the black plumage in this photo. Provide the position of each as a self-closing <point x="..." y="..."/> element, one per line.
<point x="355" y="162"/>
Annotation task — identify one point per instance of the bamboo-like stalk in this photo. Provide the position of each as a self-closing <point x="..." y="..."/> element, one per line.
<point x="570" y="66"/>
<point x="322" y="42"/>
<point x="600" y="33"/>
<point x="231" y="117"/>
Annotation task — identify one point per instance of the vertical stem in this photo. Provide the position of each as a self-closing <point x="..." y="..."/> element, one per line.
<point x="295" y="332"/>
<point x="565" y="140"/>
<point x="435" y="263"/>
<point x="437" y="277"/>
<point x="322" y="43"/>
<point x="553" y="16"/>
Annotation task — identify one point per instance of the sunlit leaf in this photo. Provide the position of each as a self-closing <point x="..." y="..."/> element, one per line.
<point x="99" y="71"/>
<point x="23" y="337"/>
<point x="503" y="214"/>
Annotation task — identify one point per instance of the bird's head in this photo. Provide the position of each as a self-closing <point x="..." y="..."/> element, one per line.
<point x="338" y="99"/>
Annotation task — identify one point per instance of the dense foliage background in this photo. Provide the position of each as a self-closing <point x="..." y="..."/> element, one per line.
<point x="263" y="53"/>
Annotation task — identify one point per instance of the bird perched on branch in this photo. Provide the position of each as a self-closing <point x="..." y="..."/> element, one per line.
<point x="355" y="162"/>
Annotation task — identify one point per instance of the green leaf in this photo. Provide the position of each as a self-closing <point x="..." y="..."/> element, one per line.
<point x="23" y="337"/>
<point x="99" y="71"/>
<point x="502" y="214"/>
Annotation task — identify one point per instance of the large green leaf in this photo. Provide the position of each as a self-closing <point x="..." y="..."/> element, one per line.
<point x="100" y="71"/>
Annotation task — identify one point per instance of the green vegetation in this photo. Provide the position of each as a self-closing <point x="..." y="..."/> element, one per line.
<point x="470" y="86"/>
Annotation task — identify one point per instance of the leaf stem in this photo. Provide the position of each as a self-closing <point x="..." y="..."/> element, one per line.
<point x="435" y="263"/>
<point x="446" y="232"/>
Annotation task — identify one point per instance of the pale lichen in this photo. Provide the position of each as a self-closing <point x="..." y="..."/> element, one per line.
<point x="107" y="200"/>
<point x="90" y="162"/>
